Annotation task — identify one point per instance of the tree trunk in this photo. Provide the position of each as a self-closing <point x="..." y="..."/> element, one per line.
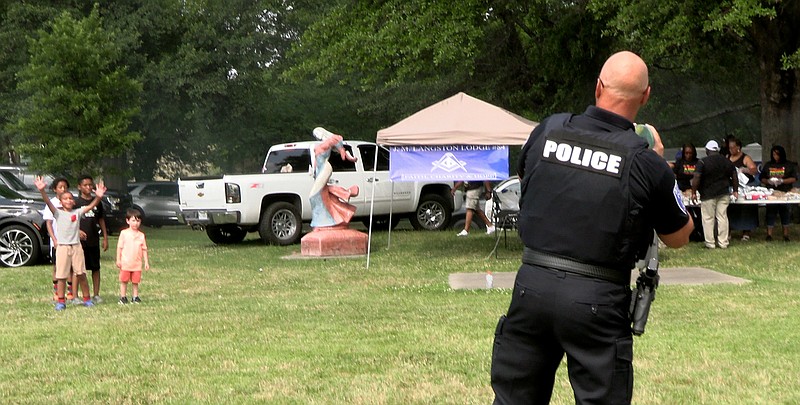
<point x="780" y="89"/>
<point x="780" y="112"/>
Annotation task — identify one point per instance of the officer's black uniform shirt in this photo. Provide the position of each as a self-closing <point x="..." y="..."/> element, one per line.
<point x="652" y="183"/>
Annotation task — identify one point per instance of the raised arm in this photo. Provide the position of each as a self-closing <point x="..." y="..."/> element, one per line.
<point x="99" y="192"/>
<point x="40" y="185"/>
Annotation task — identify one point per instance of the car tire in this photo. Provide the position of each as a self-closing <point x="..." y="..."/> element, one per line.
<point x="433" y="213"/>
<point x="19" y="246"/>
<point x="280" y="224"/>
<point x="225" y="234"/>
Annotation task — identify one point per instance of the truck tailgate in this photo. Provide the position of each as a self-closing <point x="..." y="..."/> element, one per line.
<point x="202" y="193"/>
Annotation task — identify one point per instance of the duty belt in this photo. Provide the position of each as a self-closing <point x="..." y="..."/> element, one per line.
<point x="537" y="258"/>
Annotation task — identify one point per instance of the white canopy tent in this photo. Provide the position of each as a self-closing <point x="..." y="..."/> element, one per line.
<point x="458" y="120"/>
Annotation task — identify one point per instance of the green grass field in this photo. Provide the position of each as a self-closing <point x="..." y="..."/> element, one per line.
<point x="214" y="328"/>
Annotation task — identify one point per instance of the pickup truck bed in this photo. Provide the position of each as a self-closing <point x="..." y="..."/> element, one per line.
<point x="275" y="203"/>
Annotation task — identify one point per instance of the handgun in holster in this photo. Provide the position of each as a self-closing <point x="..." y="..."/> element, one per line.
<point x="643" y="295"/>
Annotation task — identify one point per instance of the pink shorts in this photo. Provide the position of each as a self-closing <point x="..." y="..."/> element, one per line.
<point x="133" y="276"/>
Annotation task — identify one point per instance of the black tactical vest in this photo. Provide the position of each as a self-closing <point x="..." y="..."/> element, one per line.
<point x="576" y="201"/>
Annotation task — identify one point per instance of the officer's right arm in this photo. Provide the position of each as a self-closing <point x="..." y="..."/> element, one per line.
<point x="537" y="131"/>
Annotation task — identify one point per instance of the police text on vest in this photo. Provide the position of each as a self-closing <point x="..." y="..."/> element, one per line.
<point x="585" y="157"/>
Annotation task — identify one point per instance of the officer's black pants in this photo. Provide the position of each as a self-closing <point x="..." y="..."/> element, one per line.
<point x="552" y="313"/>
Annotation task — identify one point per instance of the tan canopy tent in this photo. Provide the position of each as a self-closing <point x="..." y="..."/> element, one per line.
<point x="459" y="120"/>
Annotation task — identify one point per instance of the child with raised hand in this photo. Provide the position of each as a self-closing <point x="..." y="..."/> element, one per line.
<point x="59" y="185"/>
<point x="69" y="252"/>
<point x="131" y="253"/>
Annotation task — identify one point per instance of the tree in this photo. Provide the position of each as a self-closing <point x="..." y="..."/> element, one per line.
<point x="542" y="56"/>
<point x="213" y="99"/>
<point x="511" y="53"/>
<point x="18" y="22"/>
<point x="742" y="36"/>
<point x="79" y="102"/>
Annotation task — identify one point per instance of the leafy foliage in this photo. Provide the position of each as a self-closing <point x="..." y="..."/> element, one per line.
<point x="223" y="81"/>
<point x="406" y="55"/>
<point x="80" y="101"/>
<point x="727" y="41"/>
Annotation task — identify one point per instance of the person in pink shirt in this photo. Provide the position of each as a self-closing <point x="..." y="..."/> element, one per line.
<point x="131" y="253"/>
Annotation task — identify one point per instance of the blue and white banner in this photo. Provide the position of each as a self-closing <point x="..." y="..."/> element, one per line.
<point x="448" y="162"/>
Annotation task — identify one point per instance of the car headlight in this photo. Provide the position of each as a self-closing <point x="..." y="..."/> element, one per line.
<point x="232" y="193"/>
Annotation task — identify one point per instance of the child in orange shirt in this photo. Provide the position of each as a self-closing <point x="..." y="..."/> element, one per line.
<point x="131" y="252"/>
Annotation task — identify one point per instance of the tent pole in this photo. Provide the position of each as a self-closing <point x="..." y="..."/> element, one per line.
<point x="391" y="208"/>
<point x="372" y="202"/>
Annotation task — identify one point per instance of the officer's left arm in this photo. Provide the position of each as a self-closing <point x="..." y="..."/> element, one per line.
<point x="669" y="216"/>
<point x="658" y="146"/>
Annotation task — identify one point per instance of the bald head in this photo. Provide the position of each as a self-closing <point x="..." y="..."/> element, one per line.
<point x="623" y="85"/>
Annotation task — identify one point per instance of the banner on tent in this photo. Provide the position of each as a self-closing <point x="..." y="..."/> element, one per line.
<point x="448" y="162"/>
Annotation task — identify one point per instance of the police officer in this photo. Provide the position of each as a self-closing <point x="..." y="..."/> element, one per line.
<point x="592" y="194"/>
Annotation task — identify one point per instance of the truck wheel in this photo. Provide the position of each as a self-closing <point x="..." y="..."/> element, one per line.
<point x="280" y="224"/>
<point x="381" y="222"/>
<point x="432" y="213"/>
<point x="225" y="234"/>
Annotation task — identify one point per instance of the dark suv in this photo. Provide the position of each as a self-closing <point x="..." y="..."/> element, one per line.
<point x="115" y="205"/>
<point x="23" y="234"/>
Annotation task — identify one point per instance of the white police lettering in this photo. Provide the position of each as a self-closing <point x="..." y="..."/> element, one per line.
<point x="585" y="157"/>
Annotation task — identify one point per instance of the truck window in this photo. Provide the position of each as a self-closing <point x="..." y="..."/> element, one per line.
<point x="340" y="165"/>
<point x="368" y="155"/>
<point x="287" y="161"/>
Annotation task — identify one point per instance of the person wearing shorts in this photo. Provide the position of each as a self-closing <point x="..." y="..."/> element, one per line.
<point x="92" y="225"/>
<point x="69" y="253"/>
<point x="131" y="254"/>
<point x="474" y="190"/>
<point x="58" y="186"/>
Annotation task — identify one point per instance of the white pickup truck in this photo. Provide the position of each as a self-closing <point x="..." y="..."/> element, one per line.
<point x="275" y="203"/>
